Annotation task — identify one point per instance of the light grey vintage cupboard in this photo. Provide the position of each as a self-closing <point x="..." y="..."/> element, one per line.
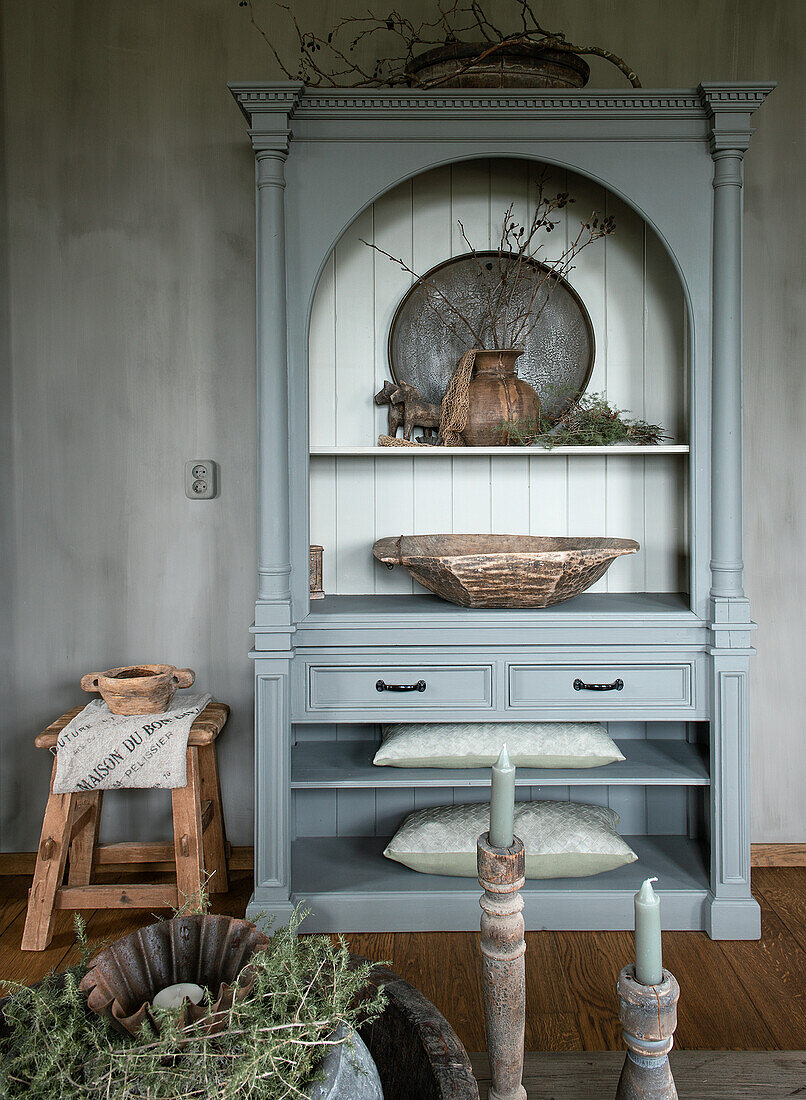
<point x="665" y="298"/>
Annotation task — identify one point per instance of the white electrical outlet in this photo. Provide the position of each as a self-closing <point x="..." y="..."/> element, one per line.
<point x="201" y="479"/>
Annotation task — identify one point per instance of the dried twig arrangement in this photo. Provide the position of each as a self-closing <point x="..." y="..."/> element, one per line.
<point x="335" y="59"/>
<point x="513" y="284"/>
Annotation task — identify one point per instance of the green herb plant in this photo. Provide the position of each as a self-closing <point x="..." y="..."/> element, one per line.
<point x="307" y="997"/>
<point x="590" y="421"/>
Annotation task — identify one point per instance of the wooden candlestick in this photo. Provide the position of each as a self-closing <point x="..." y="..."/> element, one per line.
<point x="501" y="876"/>
<point x="648" y="1015"/>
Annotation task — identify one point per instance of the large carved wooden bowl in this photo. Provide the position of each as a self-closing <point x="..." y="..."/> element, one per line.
<point x="503" y="570"/>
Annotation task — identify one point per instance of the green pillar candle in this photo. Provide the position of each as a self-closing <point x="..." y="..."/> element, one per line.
<point x="502" y="802"/>
<point x="648" y="953"/>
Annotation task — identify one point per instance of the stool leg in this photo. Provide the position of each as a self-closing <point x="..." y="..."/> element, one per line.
<point x="187" y="816"/>
<point x="215" y="839"/>
<point x="49" y="871"/>
<point x="82" y="848"/>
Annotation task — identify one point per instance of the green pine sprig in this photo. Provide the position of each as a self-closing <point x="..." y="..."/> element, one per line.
<point x="589" y="421"/>
<point x="307" y="996"/>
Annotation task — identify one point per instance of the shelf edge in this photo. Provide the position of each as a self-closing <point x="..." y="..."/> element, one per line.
<point x="514" y="452"/>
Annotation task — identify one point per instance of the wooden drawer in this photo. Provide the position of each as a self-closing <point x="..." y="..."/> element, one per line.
<point x="356" y="687"/>
<point x="585" y="686"/>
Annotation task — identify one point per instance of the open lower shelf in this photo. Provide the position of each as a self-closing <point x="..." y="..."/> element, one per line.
<point x="348" y="764"/>
<point x="351" y="886"/>
<point x="513" y="452"/>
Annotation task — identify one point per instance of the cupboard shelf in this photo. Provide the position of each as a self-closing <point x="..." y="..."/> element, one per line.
<point x="338" y="876"/>
<point x="511" y="452"/>
<point x="348" y="764"/>
<point x="397" y="607"/>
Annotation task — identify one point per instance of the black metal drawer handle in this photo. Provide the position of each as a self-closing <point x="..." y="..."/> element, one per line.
<point x="419" y="686"/>
<point x="580" y="685"/>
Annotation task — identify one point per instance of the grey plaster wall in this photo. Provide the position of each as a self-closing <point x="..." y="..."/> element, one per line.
<point x="126" y="337"/>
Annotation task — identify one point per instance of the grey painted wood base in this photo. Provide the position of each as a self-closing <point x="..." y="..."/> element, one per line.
<point x="733" y="919"/>
<point x="262" y="909"/>
<point x="351" y="888"/>
<point x="453" y="910"/>
<point x="699" y="1075"/>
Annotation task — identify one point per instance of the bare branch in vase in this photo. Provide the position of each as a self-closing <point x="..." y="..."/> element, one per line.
<point x="342" y="57"/>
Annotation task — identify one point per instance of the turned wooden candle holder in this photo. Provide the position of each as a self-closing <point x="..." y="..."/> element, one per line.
<point x="501" y="876"/>
<point x="648" y="1015"/>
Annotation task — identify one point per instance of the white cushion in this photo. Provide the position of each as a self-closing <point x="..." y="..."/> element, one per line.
<point x="562" y="839"/>
<point x="477" y="744"/>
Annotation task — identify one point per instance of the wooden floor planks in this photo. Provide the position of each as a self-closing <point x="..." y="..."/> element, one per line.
<point x="699" y="1075"/>
<point x="590" y="963"/>
<point x="735" y="995"/>
<point x="774" y="973"/>
<point x="719" y="1012"/>
<point x="784" y="892"/>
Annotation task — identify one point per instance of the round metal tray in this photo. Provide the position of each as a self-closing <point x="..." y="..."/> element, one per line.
<point x="558" y="352"/>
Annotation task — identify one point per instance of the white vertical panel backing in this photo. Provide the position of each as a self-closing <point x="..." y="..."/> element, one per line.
<point x="394" y="480"/>
<point x="431" y="241"/>
<point x="323" y="505"/>
<point x="394" y="515"/>
<point x="548" y="496"/>
<point x="665" y="353"/>
<point x="470" y="205"/>
<point x="509" y="496"/>
<point x="665" y="526"/>
<point x="433" y="497"/>
<point x="587" y="495"/>
<point x="665" y="372"/>
<point x="392" y="231"/>
<point x="432" y="218"/>
<point x="355" y="334"/>
<point x="624" y="340"/>
<point x="472" y="512"/>
<point x="355" y="526"/>
<point x="322" y="344"/>
<point x="632" y="294"/>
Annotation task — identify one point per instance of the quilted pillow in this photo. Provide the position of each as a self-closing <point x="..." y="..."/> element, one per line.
<point x="477" y="744"/>
<point x="562" y="839"/>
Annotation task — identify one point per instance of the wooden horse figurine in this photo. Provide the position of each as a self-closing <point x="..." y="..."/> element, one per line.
<point x="384" y="397"/>
<point x="416" y="412"/>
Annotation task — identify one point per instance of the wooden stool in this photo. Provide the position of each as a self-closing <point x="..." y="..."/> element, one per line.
<point x="71" y="825"/>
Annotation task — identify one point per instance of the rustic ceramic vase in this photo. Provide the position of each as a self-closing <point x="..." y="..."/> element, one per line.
<point x="497" y="394"/>
<point x="138" y="689"/>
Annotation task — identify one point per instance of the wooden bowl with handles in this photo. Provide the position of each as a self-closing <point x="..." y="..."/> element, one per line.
<point x="138" y="689"/>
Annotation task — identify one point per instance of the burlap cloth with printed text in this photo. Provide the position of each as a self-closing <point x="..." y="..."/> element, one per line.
<point x="101" y="751"/>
